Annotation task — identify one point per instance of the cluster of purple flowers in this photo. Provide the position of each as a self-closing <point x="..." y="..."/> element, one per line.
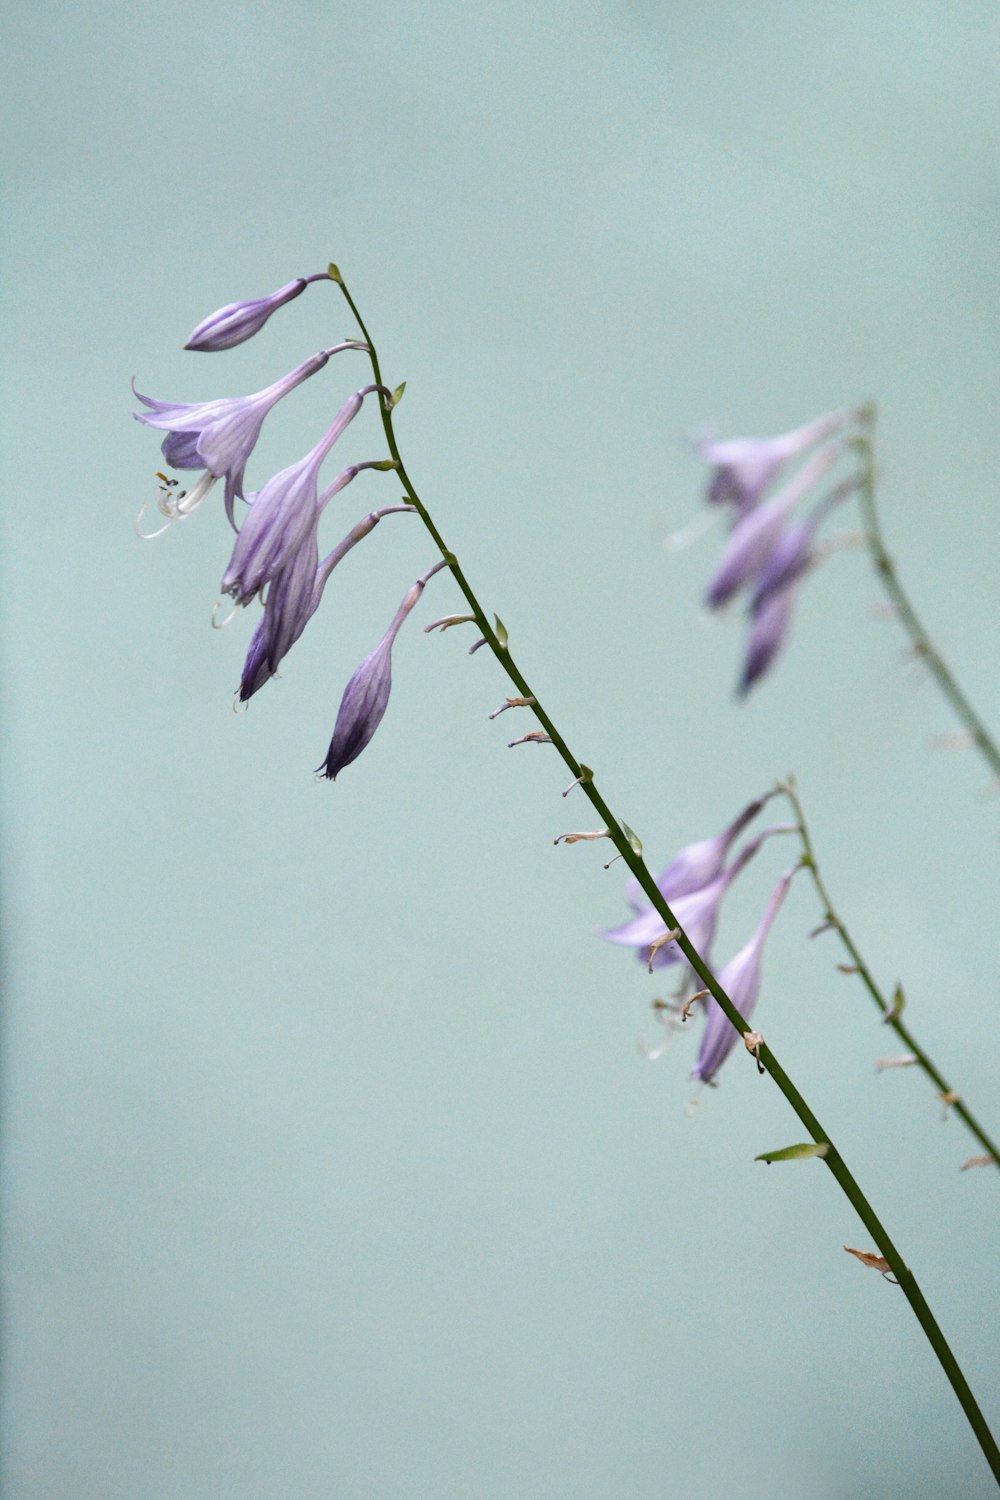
<point x="694" y="885"/>
<point x="772" y="546"/>
<point x="276" y="558"/>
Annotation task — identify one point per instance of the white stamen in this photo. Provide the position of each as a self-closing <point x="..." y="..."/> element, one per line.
<point x="221" y="624"/>
<point x="677" y="541"/>
<point x="147" y="536"/>
<point x="446" y="621"/>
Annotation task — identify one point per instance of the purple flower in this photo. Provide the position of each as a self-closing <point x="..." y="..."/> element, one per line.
<point x="294" y="597"/>
<point x="778" y="586"/>
<point x="366" y="696"/>
<point x="285" y="512"/>
<point x="742" y="468"/>
<point x="219" y="436"/>
<point x="239" y="321"/>
<point x="771" y="621"/>
<point x="696" y="864"/>
<point x="740" y="979"/>
<point x="697" y="914"/>
<point x="758" y="531"/>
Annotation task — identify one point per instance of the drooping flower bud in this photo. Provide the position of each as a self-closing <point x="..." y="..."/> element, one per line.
<point x="758" y="531"/>
<point x="239" y="321"/>
<point x="741" y="979"/>
<point x="284" y="513"/>
<point x="366" y="696"/>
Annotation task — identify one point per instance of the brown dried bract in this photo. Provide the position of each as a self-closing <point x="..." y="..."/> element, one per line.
<point x="874" y="1262"/>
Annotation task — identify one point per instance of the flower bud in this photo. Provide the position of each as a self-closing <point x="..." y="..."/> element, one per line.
<point x="239" y="321"/>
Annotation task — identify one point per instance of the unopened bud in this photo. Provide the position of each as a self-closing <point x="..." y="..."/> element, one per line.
<point x="578" y="838"/>
<point x="533" y="737"/>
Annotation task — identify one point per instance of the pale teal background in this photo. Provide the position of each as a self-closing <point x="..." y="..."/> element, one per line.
<point x="332" y="1168"/>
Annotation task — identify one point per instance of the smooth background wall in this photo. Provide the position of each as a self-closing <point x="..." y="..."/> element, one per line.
<point x="332" y="1166"/>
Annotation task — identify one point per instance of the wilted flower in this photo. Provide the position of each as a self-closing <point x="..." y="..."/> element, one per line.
<point x="697" y="914"/>
<point x="742" y="468"/>
<point x="284" y="512"/>
<point x="219" y="436"/>
<point x="293" y="598"/>
<point x="741" y="980"/>
<point x="239" y="321"/>
<point x="366" y="696"/>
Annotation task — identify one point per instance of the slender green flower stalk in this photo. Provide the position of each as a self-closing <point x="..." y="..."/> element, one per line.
<point x="629" y="847"/>
<point x="892" y="1010"/>
<point x="923" y="646"/>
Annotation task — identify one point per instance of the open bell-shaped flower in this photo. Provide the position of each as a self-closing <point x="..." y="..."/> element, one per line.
<point x="219" y="436"/>
<point x="743" y="468"/>
<point x="741" y="980"/>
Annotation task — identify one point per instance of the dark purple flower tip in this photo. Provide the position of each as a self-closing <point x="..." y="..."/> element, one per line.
<point x="771" y="621"/>
<point x="366" y="696"/>
<point x="239" y="321"/>
<point x="741" y="980"/>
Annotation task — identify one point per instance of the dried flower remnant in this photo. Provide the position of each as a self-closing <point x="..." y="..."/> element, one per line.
<point x="366" y="696"/>
<point x="977" y="1161"/>
<point x="873" y="1262"/>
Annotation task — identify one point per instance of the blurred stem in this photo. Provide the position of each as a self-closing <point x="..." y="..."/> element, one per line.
<point x="923" y="646"/>
<point x="891" y="1010"/>
<point x="629" y="847"/>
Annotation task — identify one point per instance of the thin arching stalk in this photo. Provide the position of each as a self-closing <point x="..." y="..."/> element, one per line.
<point x="629" y="847"/>
<point x="891" y="1009"/>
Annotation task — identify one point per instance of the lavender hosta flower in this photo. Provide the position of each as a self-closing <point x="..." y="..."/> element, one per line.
<point x="794" y="554"/>
<point x="770" y="623"/>
<point x="219" y="436"/>
<point x="284" y="513"/>
<point x="239" y="321"/>
<point x="742" y="468"/>
<point x="293" y="598"/>
<point x="777" y="590"/>
<point x="696" y="864"/>
<point x="697" y="914"/>
<point x="741" y="979"/>
<point x="366" y="696"/>
<point x="758" y="531"/>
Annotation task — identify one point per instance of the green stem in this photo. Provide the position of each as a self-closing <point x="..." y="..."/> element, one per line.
<point x="890" y="1009"/>
<point x="923" y="646"/>
<point x="619" y="836"/>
